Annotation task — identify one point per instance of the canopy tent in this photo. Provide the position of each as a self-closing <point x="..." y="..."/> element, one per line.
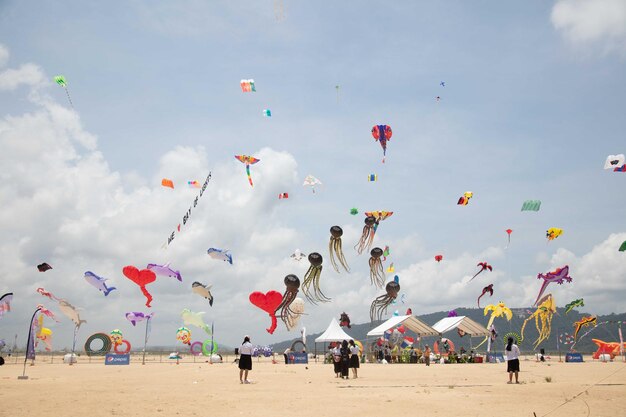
<point x="334" y="333"/>
<point x="463" y="323"/>
<point x="410" y="322"/>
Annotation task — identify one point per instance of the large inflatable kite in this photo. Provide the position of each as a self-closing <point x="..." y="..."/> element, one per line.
<point x="560" y="275"/>
<point x="98" y="282"/>
<point x="141" y="278"/>
<point x="269" y="303"/>
<point x="382" y="134"/>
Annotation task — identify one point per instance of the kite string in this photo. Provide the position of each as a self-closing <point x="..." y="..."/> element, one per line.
<point x="583" y="391"/>
<point x="68" y="97"/>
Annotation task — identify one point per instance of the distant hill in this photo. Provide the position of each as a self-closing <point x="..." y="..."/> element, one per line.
<point x="561" y="323"/>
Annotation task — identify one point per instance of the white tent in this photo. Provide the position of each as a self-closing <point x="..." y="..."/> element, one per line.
<point x="410" y="322"/>
<point x="333" y="333"/>
<point x="463" y="323"/>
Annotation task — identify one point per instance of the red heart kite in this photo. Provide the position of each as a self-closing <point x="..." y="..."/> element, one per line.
<point x="267" y="302"/>
<point x="141" y="278"/>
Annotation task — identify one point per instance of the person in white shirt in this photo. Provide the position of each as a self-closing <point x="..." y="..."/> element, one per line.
<point x="336" y="351"/>
<point x="245" y="362"/>
<point x="354" y="358"/>
<point x="512" y="360"/>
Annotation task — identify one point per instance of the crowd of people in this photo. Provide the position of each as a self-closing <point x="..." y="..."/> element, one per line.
<point x="345" y="356"/>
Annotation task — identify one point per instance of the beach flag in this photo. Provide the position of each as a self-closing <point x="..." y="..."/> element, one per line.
<point x="167" y="183"/>
<point x="30" y="344"/>
<point x="372" y="178"/>
<point x="283" y="195"/>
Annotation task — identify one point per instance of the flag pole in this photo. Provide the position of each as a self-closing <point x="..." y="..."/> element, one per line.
<point x="145" y="342"/>
<point x="30" y="348"/>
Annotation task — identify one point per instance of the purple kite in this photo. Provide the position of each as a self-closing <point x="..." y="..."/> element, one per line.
<point x="136" y="316"/>
<point x="165" y="270"/>
<point x="559" y="276"/>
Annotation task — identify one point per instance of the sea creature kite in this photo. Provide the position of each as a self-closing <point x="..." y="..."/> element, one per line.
<point x="5" y="303"/>
<point x="483" y="267"/>
<point x="584" y="322"/>
<point x="165" y="270"/>
<point x="137" y="316"/>
<point x="465" y="198"/>
<point x="269" y="303"/>
<point x="292" y="285"/>
<point x="615" y="162"/>
<point x="47" y="312"/>
<point x="297" y="255"/>
<point x="335" y="249"/>
<point x="311" y="181"/>
<point x="195" y="319"/>
<point x="71" y="312"/>
<point x="203" y="291"/>
<point x="220" y="254"/>
<point x="312" y="277"/>
<point x="297" y="308"/>
<point x="553" y="232"/>
<point x="98" y="282"/>
<point x="576" y="303"/>
<point x="380" y="303"/>
<point x="344" y="320"/>
<point x="141" y="278"/>
<point x="382" y="133"/>
<point x="487" y="289"/>
<point x="377" y="273"/>
<point x="372" y="220"/>
<point x="43" y="267"/>
<point x="559" y="276"/>
<point x="531" y="205"/>
<point x="167" y="183"/>
<point x="60" y="80"/>
<point x="247" y="86"/>
<point x="247" y="160"/>
<point x="545" y="311"/>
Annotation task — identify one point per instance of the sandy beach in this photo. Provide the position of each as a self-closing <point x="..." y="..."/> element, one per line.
<point x="201" y="389"/>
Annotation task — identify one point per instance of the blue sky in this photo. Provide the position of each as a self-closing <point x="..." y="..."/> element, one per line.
<point x="533" y="104"/>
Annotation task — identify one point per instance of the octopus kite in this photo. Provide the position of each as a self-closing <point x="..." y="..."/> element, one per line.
<point x="292" y="284"/>
<point x="372" y="221"/>
<point x="544" y="312"/>
<point x="483" y="267"/>
<point x="559" y="276"/>
<point x="312" y="277"/>
<point x="377" y="274"/>
<point x="380" y="303"/>
<point x="334" y="249"/>
<point x="487" y="289"/>
<point x="382" y="133"/>
<point x="584" y="322"/>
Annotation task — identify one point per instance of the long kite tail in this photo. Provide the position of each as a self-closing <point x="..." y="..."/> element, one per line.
<point x="475" y="275"/>
<point x="147" y="294"/>
<point x="479" y="299"/>
<point x="249" y="176"/>
<point x="274" y="324"/>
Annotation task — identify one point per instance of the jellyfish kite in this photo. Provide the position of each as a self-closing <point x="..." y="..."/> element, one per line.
<point x="372" y="220"/>
<point x="292" y="284"/>
<point x="312" y="277"/>
<point x="334" y="248"/>
<point x="248" y="160"/>
<point x="382" y="133"/>
<point x="377" y="273"/>
<point x="380" y="303"/>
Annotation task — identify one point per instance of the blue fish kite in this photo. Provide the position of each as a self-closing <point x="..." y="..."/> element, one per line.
<point x="221" y="254"/>
<point x="136" y="316"/>
<point x="165" y="270"/>
<point x="98" y="282"/>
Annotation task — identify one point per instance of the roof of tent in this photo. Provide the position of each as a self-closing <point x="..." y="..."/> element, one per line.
<point x="410" y="322"/>
<point x="464" y="323"/>
<point x="333" y="333"/>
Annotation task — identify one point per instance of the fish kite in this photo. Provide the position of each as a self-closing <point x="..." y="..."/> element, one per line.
<point x="438" y="258"/>
<point x="98" y="282"/>
<point x="141" y="278"/>
<point x="465" y="198"/>
<point x="576" y="303"/>
<point x="220" y="254"/>
<point x="43" y="267"/>
<point x="311" y="181"/>
<point x="248" y="160"/>
<point x="297" y="255"/>
<point x="531" y="205"/>
<point x="61" y="81"/>
<point x="165" y="270"/>
<point x="487" y="289"/>
<point x="267" y="302"/>
<point x="382" y="134"/>
<point x="47" y="312"/>
<point x="5" y="303"/>
<point x="483" y="267"/>
<point x="167" y="183"/>
<point x="560" y="275"/>
<point x="195" y="319"/>
<point x="247" y="86"/>
<point x="136" y="316"/>
<point x="203" y="291"/>
<point x="584" y="322"/>
<point x="553" y="232"/>
<point x="615" y="162"/>
<point x="71" y="312"/>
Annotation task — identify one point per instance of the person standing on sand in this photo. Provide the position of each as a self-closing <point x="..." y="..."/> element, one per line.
<point x="336" y="352"/>
<point x="427" y="355"/>
<point x="345" y="359"/>
<point x="245" y="361"/>
<point x="354" y="358"/>
<point x="512" y="360"/>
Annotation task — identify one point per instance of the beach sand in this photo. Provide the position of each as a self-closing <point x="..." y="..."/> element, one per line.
<point x="201" y="389"/>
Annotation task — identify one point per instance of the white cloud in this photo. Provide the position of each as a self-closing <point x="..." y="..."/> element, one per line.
<point x="4" y="55"/>
<point x="592" y="23"/>
<point x="27" y="74"/>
